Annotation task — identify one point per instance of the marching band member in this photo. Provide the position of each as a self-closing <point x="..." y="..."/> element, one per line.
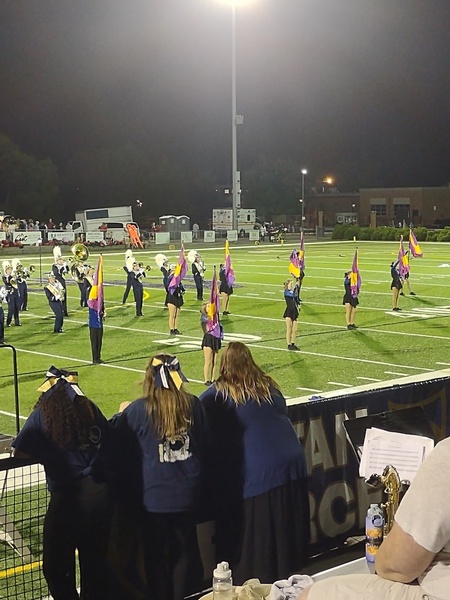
<point x="138" y="288"/>
<point x="3" y="296"/>
<point x="164" y="266"/>
<point x="79" y="274"/>
<point x="54" y="291"/>
<point x="88" y="282"/>
<point x="59" y="269"/>
<point x="128" y="268"/>
<point x="13" y="297"/>
<point x="21" y="275"/>
<point x="198" y="270"/>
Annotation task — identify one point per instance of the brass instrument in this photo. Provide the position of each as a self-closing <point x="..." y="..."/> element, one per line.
<point x="392" y="486"/>
<point x="146" y="268"/>
<point x="80" y="255"/>
<point x="21" y="272"/>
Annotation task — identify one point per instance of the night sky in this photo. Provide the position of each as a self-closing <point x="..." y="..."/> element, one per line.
<point x="356" y="89"/>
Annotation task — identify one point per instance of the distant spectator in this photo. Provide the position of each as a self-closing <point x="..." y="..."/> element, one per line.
<point x="195" y="230"/>
<point x="103" y="227"/>
<point x="60" y="226"/>
<point x="50" y="224"/>
<point x="36" y="226"/>
<point x="69" y="226"/>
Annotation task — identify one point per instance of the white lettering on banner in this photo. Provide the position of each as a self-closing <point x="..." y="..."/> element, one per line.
<point x="94" y="236"/>
<point x="186" y="236"/>
<point x="61" y="236"/>
<point x="317" y="450"/>
<point x="341" y="492"/>
<point x="27" y="238"/>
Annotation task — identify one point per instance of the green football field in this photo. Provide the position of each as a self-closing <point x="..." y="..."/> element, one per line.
<point x="385" y="346"/>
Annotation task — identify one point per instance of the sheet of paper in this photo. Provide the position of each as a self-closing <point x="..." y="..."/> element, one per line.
<point x="403" y="451"/>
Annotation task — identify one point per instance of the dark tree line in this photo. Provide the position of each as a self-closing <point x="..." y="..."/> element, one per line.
<point x="122" y="175"/>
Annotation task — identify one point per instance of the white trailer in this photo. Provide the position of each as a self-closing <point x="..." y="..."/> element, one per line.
<point x="222" y="218"/>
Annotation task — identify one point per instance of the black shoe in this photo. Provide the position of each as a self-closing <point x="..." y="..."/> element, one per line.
<point x="176" y="332"/>
<point x="172" y="332"/>
<point x="208" y="383"/>
<point x="412" y="293"/>
<point x="293" y="347"/>
<point x="402" y="294"/>
<point x="140" y="315"/>
<point x="18" y="324"/>
<point x="396" y="309"/>
<point x="226" y="312"/>
<point x="98" y="362"/>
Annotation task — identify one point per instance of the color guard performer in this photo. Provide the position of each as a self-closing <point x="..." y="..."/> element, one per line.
<point x="138" y="288"/>
<point x="59" y="270"/>
<point x="55" y="296"/>
<point x="13" y="298"/>
<point x="291" y="313"/>
<point x="225" y="290"/>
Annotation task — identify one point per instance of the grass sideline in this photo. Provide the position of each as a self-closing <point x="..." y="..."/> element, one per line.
<point x="385" y="346"/>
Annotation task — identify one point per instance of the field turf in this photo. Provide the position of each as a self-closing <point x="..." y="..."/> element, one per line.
<point x="386" y="345"/>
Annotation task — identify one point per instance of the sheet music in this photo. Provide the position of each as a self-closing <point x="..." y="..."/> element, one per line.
<point x="404" y="451"/>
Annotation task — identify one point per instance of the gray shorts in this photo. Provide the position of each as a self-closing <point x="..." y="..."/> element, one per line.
<point x="364" y="587"/>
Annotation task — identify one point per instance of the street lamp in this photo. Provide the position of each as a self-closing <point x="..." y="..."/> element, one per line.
<point x="304" y="172"/>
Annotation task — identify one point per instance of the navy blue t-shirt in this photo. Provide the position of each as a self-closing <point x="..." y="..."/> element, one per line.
<point x="254" y="446"/>
<point x="64" y="466"/>
<point x="169" y="470"/>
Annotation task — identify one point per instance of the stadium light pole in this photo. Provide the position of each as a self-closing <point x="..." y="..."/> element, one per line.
<point x="235" y="118"/>
<point x="304" y="172"/>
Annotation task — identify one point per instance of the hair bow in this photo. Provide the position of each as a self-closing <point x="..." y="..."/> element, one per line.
<point x="60" y="377"/>
<point x="165" y="369"/>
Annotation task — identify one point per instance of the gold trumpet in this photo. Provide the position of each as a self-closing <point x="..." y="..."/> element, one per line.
<point x="146" y="268"/>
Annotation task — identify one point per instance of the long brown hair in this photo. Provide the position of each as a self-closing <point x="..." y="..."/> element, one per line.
<point x="240" y="377"/>
<point x="169" y="410"/>
<point x="67" y="422"/>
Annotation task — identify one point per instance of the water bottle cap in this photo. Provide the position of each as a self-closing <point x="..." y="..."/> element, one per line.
<point x="222" y="571"/>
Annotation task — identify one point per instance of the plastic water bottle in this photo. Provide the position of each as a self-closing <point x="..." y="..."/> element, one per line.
<point x="222" y="582"/>
<point x="374" y="531"/>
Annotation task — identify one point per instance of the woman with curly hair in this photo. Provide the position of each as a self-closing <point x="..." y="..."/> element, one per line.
<point x="67" y="433"/>
<point x="169" y="427"/>
<point x="256" y="472"/>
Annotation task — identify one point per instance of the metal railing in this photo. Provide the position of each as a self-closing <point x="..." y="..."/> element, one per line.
<point x="23" y="504"/>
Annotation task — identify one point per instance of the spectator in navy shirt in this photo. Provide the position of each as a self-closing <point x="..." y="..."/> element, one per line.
<point x="256" y="471"/>
<point x="68" y="434"/>
<point x="169" y="429"/>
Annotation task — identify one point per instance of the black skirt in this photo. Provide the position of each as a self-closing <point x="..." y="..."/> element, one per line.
<point x="291" y="312"/>
<point x="210" y="341"/>
<point x="225" y="288"/>
<point x="266" y="536"/>
<point x="349" y="299"/>
<point x="175" y="299"/>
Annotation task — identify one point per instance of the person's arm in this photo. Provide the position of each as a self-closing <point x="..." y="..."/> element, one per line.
<point x="400" y="558"/>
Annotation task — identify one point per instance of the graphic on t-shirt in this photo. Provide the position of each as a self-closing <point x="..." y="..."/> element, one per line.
<point x="175" y="449"/>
